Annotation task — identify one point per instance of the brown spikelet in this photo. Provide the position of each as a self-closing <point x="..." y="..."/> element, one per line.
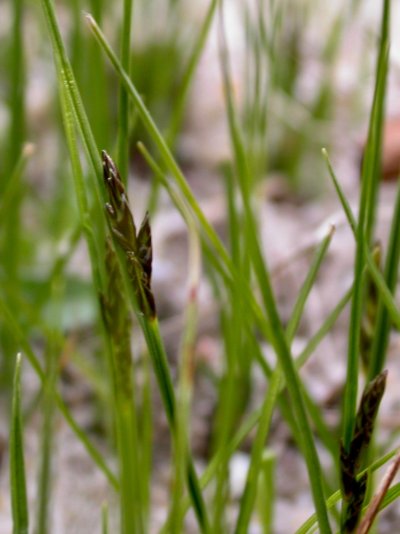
<point x="354" y="487"/>
<point x="136" y="246"/>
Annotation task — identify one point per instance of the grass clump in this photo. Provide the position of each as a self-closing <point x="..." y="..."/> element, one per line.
<point x="149" y="93"/>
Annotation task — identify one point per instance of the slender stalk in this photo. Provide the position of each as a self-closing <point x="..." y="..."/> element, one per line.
<point x="19" y="504"/>
<point x="267" y="492"/>
<point x="104" y="519"/>
<point x="157" y="352"/>
<point x="11" y="190"/>
<point x="44" y="479"/>
<point x="68" y="79"/>
<point x="17" y="90"/>
<point x="186" y="377"/>
<point x="376" y="275"/>
<point x="10" y="248"/>
<point x="383" y="319"/>
<point x="124" y="102"/>
<point x="21" y="339"/>
<point x="250" y="492"/>
<point x="180" y="101"/>
<point x="367" y="205"/>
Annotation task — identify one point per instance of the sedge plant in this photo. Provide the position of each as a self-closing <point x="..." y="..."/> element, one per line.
<point x="123" y="301"/>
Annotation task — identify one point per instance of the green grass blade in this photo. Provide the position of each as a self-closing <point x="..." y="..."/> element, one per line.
<point x="376" y="275"/>
<point x="186" y="377"/>
<point x="67" y="78"/>
<point x="308" y="284"/>
<point x="19" y="503"/>
<point x="146" y="433"/>
<point x="104" y="519"/>
<point x="10" y="240"/>
<point x="21" y="339"/>
<point x="324" y="329"/>
<point x="371" y="168"/>
<point x="180" y="101"/>
<point x="367" y="208"/>
<point x="124" y="103"/>
<point x="267" y="493"/>
<point x="16" y="136"/>
<point x="383" y="320"/>
<point x="392" y="495"/>
<point x="96" y="263"/>
<point x="10" y="192"/>
<point x="250" y="492"/>
<point x="157" y="352"/>
<point x="48" y="405"/>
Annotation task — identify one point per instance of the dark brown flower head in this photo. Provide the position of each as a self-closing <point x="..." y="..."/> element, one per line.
<point x="118" y="210"/>
<point x="353" y="487"/>
<point x="137" y="246"/>
<point x="113" y="181"/>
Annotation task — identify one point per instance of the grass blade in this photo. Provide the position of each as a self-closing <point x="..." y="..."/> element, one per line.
<point x="48" y="405"/>
<point x="383" y="319"/>
<point x="180" y="101"/>
<point x="124" y="103"/>
<point x="20" y="338"/>
<point x="104" y="519"/>
<point x="66" y="77"/>
<point x="19" y="502"/>
<point x="17" y="90"/>
<point x="267" y="491"/>
<point x="376" y="275"/>
<point x="186" y="378"/>
<point x="250" y="491"/>
<point x="368" y="199"/>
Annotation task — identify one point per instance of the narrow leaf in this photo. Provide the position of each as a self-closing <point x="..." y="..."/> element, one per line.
<point x="19" y="502"/>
